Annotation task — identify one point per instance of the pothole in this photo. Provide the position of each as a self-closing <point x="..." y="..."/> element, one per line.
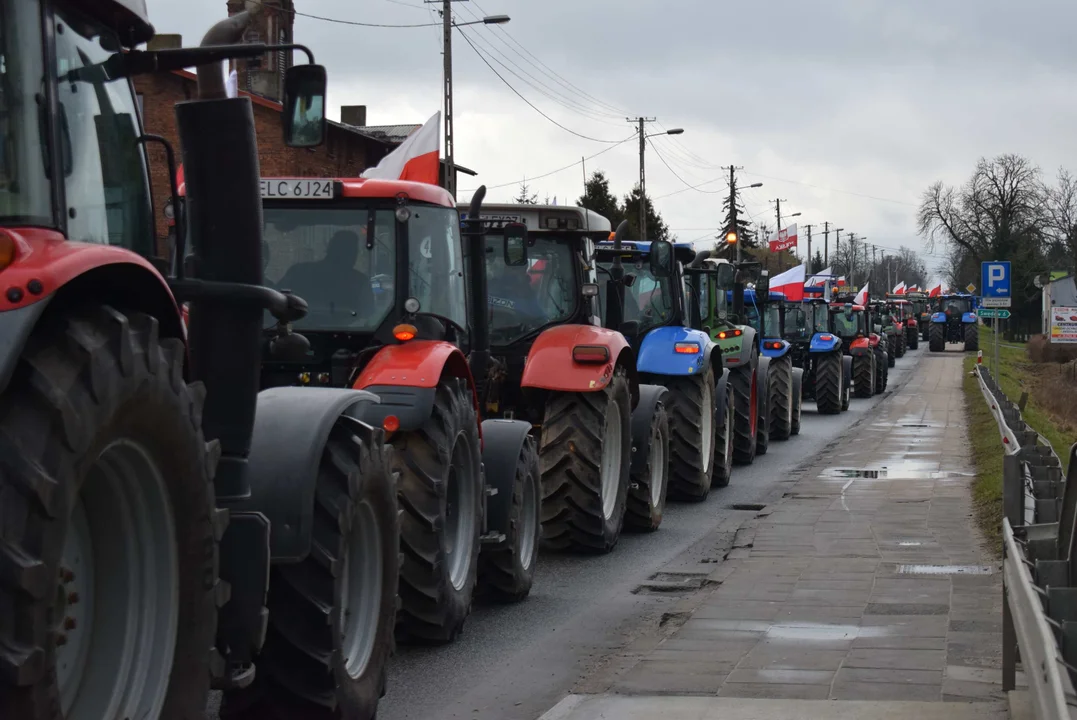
<point x="754" y="507"/>
<point x="668" y="583"/>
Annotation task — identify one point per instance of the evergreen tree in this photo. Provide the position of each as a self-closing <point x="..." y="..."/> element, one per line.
<point x="656" y="227"/>
<point x="526" y="197"/>
<point x="597" y="197"/>
<point x="744" y="229"/>
<point x="816" y="264"/>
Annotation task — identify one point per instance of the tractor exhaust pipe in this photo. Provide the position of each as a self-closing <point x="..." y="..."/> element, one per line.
<point x="615" y="288"/>
<point x="227" y="32"/>
<point x="479" y="360"/>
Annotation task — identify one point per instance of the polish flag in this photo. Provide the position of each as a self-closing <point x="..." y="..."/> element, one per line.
<point x="842" y="281"/>
<point x="862" y="296"/>
<point x="820" y="278"/>
<point x="899" y="289"/>
<point x="416" y="159"/>
<point x="790" y="283"/>
<point x="935" y="291"/>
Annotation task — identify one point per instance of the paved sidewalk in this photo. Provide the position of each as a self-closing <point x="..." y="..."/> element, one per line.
<point x="866" y="582"/>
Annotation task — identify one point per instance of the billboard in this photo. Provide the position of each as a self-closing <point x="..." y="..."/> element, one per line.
<point x="1064" y="324"/>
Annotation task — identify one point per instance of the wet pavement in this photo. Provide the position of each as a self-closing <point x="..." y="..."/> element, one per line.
<point x="867" y="583"/>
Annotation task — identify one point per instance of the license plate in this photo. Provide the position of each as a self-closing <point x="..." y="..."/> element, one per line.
<point x="298" y="189"/>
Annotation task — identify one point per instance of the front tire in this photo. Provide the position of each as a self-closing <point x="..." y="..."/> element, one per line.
<point x="972" y="337"/>
<point x="440" y="493"/>
<point x="746" y="411"/>
<point x="507" y="571"/>
<point x="691" y="423"/>
<point x="937" y="342"/>
<point x="798" y="405"/>
<point x="108" y="557"/>
<point x="880" y="373"/>
<point x="647" y="497"/>
<point x="332" y="616"/>
<point x="829" y="376"/>
<point x="723" y="440"/>
<point x="584" y="457"/>
<point x="864" y="375"/>
<point x="780" y="405"/>
<point x="914" y="339"/>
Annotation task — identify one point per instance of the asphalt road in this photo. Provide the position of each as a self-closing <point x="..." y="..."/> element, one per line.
<point x="515" y="662"/>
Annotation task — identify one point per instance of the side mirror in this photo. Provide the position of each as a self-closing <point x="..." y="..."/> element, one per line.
<point x="303" y="117"/>
<point x="515" y="239"/>
<point x="661" y="258"/>
<point x="629" y="280"/>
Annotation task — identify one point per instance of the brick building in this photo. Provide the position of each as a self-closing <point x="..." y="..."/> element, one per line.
<point x="350" y="145"/>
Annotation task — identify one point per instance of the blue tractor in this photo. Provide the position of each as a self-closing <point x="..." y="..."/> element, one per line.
<point x="818" y="350"/>
<point x="643" y="294"/>
<point x="953" y="319"/>
<point x="781" y="389"/>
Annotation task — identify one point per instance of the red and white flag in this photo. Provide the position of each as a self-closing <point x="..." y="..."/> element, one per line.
<point x="899" y="289"/>
<point x="862" y="296"/>
<point x="935" y="291"/>
<point x="790" y="283"/>
<point x="841" y="281"/>
<point x="416" y="159"/>
<point x="820" y="278"/>
<point x="784" y="239"/>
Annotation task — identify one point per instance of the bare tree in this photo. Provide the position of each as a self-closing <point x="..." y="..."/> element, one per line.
<point x="1062" y="216"/>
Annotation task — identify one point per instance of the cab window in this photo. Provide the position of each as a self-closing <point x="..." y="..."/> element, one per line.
<point x="436" y="262"/>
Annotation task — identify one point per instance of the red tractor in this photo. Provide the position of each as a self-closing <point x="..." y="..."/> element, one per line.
<point x="136" y="452"/>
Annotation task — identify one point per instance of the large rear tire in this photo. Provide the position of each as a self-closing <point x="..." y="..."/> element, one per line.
<point x="762" y="431"/>
<point x="585" y="456"/>
<point x="798" y="406"/>
<point x="937" y="340"/>
<point x="864" y="375"/>
<point x="108" y="542"/>
<point x="901" y="344"/>
<point x="331" y="617"/>
<point x="780" y="401"/>
<point x="880" y="373"/>
<point x="829" y="375"/>
<point x="507" y="571"/>
<point x="440" y="494"/>
<point x="647" y="496"/>
<point x="914" y="338"/>
<point x="691" y="406"/>
<point x="723" y="442"/>
<point x="972" y="337"/>
<point x="745" y="411"/>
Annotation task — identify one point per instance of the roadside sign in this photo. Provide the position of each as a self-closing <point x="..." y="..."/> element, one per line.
<point x="971" y="288"/>
<point x="987" y="313"/>
<point x="1064" y="324"/>
<point x="995" y="279"/>
<point x="995" y="302"/>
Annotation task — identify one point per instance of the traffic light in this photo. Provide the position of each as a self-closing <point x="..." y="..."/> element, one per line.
<point x="731" y="237"/>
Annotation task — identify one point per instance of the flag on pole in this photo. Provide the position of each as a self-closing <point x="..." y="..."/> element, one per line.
<point x="416" y="159"/>
<point x="842" y="281"/>
<point x="935" y="291"/>
<point x="899" y="289"/>
<point x="862" y="296"/>
<point x="820" y="278"/>
<point x="790" y="282"/>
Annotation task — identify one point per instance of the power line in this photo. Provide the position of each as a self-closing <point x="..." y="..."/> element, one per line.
<point x="561" y="169"/>
<point x="530" y="104"/>
<point x="687" y="184"/>
<point x="833" y="190"/>
<point x="346" y="22"/>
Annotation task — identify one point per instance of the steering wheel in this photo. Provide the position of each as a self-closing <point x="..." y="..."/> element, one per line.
<point x="504" y="319"/>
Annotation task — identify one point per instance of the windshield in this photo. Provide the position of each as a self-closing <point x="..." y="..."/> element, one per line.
<point x="796" y="321"/>
<point x="845" y="325"/>
<point x="526" y="298"/>
<point x="649" y="301"/>
<point x="955" y="305"/>
<point x="822" y="319"/>
<point x="24" y="187"/>
<point x="340" y="261"/>
<point x="436" y="265"/>
<point x="773" y="321"/>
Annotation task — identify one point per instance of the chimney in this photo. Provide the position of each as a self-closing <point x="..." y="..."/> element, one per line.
<point x="354" y="115"/>
<point x="165" y="41"/>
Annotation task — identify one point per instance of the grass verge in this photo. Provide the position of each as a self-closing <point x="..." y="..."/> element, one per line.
<point x="986" y="450"/>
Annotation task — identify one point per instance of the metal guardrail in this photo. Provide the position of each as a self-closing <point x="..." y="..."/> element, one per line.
<point x="1039" y="528"/>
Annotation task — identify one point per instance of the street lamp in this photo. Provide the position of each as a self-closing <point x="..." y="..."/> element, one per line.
<point x="642" y="173"/>
<point x="446" y="39"/>
<point x="756" y="185"/>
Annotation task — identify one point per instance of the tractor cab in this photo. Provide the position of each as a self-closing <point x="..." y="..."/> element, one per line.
<point x="908" y="314"/>
<point x="954" y="319"/>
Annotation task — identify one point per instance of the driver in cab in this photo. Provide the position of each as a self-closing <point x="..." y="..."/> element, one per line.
<point x="509" y="288"/>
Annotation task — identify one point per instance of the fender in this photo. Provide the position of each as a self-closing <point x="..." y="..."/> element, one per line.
<point x="860" y="346"/>
<point x="550" y="366"/>
<point x="406" y="376"/>
<point x="939" y="317"/>
<point x="740" y="350"/>
<point x="911" y="322"/>
<point x="873" y="340"/>
<point x="762" y="378"/>
<point x="658" y="355"/>
<point x="968" y="318"/>
<point x="824" y="342"/>
<point x="774" y="348"/>
<point x="649" y="398"/>
<point x="502" y="442"/>
<point x="291" y="426"/>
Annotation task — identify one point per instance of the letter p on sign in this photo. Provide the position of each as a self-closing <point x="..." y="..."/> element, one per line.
<point x="995" y="278"/>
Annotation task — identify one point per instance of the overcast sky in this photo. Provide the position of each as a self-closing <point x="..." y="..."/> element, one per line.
<point x="826" y="102"/>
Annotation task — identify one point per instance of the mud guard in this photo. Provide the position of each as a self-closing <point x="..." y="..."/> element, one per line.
<point x="769" y="348"/>
<point x="820" y="344"/>
<point x="502" y="442"/>
<point x="410" y="405"/>
<point x="939" y="317"/>
<point x="658" y="356"/>
<point x="860" y="346"/>
<point x="550" y="365"/>
<point x="968" y="318"/>
<point x="649" y="397"/>
<point x="15" y="329"/>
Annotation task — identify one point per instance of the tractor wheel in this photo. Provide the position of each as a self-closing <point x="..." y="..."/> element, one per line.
<point x="880" y="374"/>
<point x="723" y="441"/>
<point x="798" y="403"/>
<point x="925" y="332"/>
<point x="584" y="457"/>
<point x="506" y="571"/>
<point x="846" y="386"/>
<point x="108" y="557"/>
<point x="441" y="494"/>
<point x="745" y="414"/>
<point x="647" y="496"/>
<point x="691" y="424"/>
<point x="780" y="401"/>
<point x="864" y="376"/>
<point x="829" y="378"/>
<point x="891" y="357"/>
<point x="762" y="432"/>
<point x="972" y="337"/>
<point x="937" y="341"/>
<point x="914" y="339"/>
<point x="331" y="616"/>
<point x="901" y="344"/>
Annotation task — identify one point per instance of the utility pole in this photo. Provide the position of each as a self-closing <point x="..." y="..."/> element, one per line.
<point x="446" y="30"/>
<point x="826" y="243"/>
<point x="873" y="249"/>
<point x="809" y="227"/>
<point x="735" y="226"/>
<point x="642" y="174"/>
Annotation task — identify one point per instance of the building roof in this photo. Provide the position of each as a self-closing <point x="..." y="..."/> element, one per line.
<point x="391" y="133"/>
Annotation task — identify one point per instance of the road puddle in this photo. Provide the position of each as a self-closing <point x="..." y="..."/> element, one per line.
<point x="818" y="632"/>
<point x="945" y="569"/>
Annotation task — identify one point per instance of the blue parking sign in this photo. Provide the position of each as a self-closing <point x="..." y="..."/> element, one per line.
<point x="995" y="279"/>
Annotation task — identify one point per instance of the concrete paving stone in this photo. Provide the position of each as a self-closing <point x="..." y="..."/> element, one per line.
<point x="965" y="673"/>
<point x="696" y="626"/>
<point x="899" y="643"/>
<point x="781" y="677"/>
<point x="882" y="691"/>
<point x="890" y="675"/>
<point x="865" y="584"/>
<point x="643" y="681"/>
<point x="907" y="609"/>
<point x="730" y="640"/>
<point x="837" y="597"/>
<point x="982" y="692"/>
<point x="984" y="626"/>
<point x="903" y="659"/>
<point x="771" y="691"/>
<point x="716" y="654"/>
<point x="907" y="625"/>
<point x="791" y="657"/>
<point x="738" y="610"/>
<point x="819" y="613"/>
